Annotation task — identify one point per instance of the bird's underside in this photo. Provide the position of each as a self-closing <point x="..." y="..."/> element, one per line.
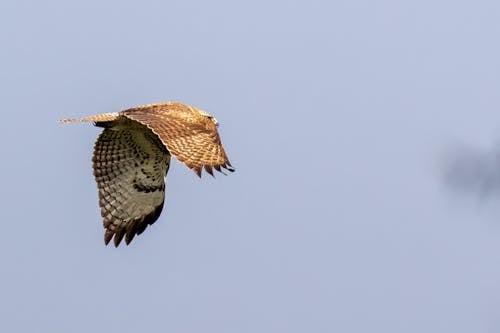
<point x="132" y="157"/>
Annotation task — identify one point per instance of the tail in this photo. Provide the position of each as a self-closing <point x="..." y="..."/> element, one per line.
<point x="96" y="119"/>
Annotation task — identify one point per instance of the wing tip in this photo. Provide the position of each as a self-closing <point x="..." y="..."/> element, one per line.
<point x="228" y="167"/>
<point x="209" y="169"/>
<point x="132" y="229"/>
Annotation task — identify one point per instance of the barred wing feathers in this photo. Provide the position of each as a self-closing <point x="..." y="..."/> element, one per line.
<point x="188" y="135"/>
<point x="130" y="166"/>
<point x="132" y="157"/>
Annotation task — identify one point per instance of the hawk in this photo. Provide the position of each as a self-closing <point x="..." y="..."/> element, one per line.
<point x="132" y="157"/>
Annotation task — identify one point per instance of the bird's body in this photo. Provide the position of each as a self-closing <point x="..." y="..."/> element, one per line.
<point x="132" y="157"/>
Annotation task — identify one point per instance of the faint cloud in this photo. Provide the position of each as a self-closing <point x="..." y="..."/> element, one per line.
<point x="472" y="170"/>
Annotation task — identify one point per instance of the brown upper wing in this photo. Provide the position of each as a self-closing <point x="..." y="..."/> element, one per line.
<point x="188" y="135"/>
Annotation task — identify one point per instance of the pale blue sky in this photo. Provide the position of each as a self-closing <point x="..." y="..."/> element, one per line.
<point x="335" y="115"/>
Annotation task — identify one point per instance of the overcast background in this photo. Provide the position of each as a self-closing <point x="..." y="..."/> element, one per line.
<point x="336" y="115"/>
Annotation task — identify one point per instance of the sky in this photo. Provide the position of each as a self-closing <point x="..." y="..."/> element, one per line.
<point x="338" y="116"/>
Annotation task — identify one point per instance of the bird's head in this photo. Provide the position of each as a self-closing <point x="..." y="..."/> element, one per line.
<point x="209" y="116"/>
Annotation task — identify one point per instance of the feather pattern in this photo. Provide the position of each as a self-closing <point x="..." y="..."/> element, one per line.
<point x="132" y="157"/>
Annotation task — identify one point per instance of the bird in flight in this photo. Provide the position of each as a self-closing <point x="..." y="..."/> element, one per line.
<point x="132" y="157"/>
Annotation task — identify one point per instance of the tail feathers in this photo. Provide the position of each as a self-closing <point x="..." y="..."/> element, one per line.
<point x="97" y="118"/>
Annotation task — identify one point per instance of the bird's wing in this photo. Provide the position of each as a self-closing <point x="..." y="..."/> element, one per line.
<point x="96" y="118"/>
<point x="192" y="138"/>
<point x="130" y="164"/>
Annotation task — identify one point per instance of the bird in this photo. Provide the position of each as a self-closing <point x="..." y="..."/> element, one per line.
<point x="131" y="159"/>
